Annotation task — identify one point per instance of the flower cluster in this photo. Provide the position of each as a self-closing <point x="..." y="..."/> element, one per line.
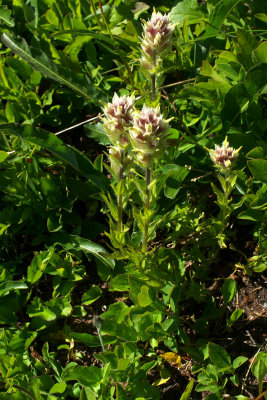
<point x="148" y="134"/>
<point x="224" y="156"/>
<point x="118" y="117"/>
<point x="156" y="40"/>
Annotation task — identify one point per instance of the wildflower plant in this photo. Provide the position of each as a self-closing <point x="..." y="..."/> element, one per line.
<point x="224" y="158"/>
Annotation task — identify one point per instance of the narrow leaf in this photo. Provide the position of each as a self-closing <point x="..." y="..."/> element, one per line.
<point x="43" y="64"/>
<point x="52" y="143"/>
<point x="75" y="242"/>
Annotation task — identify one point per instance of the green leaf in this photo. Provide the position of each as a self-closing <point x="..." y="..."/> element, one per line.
<point x="88" y="376"/>
<point x="234" y="317"/>
<point x="258" y="169"/>
<point x="91" y="295"/>
<point x="87" y="246"/>
<point x="217" y="17"/>
<point x="52" y="143"/>
<point x="257" y="152"/>
<point x="259" y="368"/>
<point x="239" y="96"/>
<point x="87" y="394"/>
<point x="187" y="10"/>
<point x="6" y="287"/>
<point x="219" y="356"/>
<point x="188" y="390"/>
<point x="43" y="64"/>
<point x="260" y="53"/>
<point x="3" y="155"/>
<point x="37" y="309"/>
<point x="5" y="16"/>
<point x="252" y="215"/>
<point x="119" y="283"/>
<point x="238" y="361"/>
<point x="90" y="340"/>
<point x="228" y="290"/>
<point x="143" y="297"/>
<point x="58" y="388"/>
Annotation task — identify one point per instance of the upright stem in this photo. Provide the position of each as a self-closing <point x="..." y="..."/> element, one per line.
<point x="96" y="17"/>
<point x="120" y="195"/>
<point x="153" y="86"/>
<point x="148" y="178"/>
<point x="147" y="200"/>
<point x="115" y="44"/>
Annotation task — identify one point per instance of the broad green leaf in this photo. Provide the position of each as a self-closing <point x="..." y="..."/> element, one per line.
<point x="88" y="376"/>
<point x="219" y="356"/>
<point x="37" y="309"/>
<point x="6" y="287"/>
<point x="186" y="10"/>
<point x="257" y="152"/>
<point x="58" y="388"/>
<point x="91" y="295"/>
<point x="258" y="169"/>
<point x="143" y="297"/>
<point x="119" y="283"/>
<point x="238" y="361"/>
<point x="56" y="146"/>
<point x="217" y="16"/>
<point x="43" y="64"/>
<point x="228" y="290"/>
<point x="259" y="368"/>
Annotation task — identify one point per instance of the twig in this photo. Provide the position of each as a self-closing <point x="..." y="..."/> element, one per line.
<point x="79" y="124"/>
<point x="250" y="365"/>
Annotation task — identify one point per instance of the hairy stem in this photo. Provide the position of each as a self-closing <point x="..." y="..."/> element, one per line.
<point x="120" y="195"/>
<point x="153" y="86"/>
<point x="147" y="200"/>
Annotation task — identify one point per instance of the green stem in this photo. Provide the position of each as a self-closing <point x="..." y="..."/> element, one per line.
<point x="22" y="389"/>
<point x="153" y="86"/>
<point x="96" y="17"/>
<point x="130" y="75"/>
<point x="147" y="201"/>
<point x="120" y="195"/>
<point x="100" y="338"/>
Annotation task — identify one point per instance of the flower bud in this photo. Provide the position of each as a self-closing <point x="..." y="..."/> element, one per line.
<point x="148" y="134"/>
<point x="156" y="40"/>
<point x="118" y="117"/>
<point x="224" y="156"/>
